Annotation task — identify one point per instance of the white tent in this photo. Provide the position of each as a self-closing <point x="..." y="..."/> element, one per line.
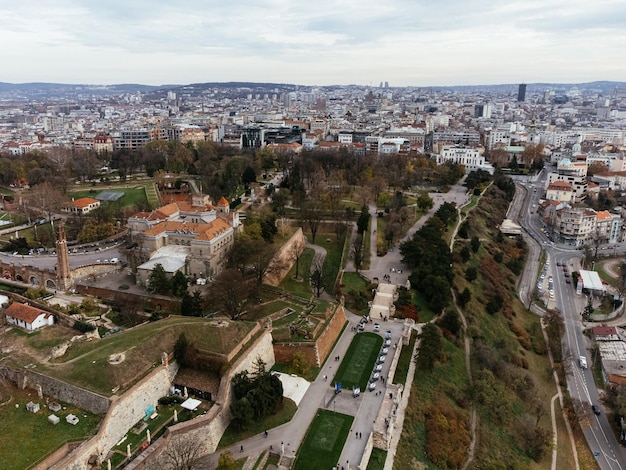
<point x="191" y="404"/>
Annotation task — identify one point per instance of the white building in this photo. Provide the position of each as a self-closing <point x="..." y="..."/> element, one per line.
<point x="471" y="158"/>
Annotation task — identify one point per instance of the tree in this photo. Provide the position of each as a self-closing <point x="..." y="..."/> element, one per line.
<point x="248" y="176"/>
<point x="451" y="321"/>
<point x="430" y="348"/>
<point x="158" y="282"/>
<point x="317" y="279"/>
<point x="182" y="453"/>
<point x="191" y="305"/>
<point x="93" y="231"/>
<point x="424" y="202"/>
<point x="357" y="251"/>
<point x="300" y="365"/>
<point x="363" y="220"/>
<point x="47" y="198"/>
<point x="226" y="462"/>
<point x="230" y="292"/>
<point x="179" y="284"/>
<point x="471" y="273"/>
<point x="180" y="348"/>
<point x="475" y="243"/>
<point x="311" y="213"/>
<point x="296" y="251"/>
<point x="464" y="297"/>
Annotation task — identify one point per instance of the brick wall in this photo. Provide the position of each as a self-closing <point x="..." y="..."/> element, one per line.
<point x="315" y="352"/>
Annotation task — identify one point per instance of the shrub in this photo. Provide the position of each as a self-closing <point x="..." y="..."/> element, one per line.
<point x="171" y="400"/>
<point x="83" y="326"/>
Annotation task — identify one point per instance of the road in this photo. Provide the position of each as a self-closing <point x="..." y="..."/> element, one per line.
<point x="580" y="383"/>
<point x="87" y="255"/>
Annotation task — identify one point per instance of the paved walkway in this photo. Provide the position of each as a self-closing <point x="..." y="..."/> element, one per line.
<point x="321" y="395"/>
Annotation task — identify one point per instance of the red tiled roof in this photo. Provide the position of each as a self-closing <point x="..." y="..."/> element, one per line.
<point x="604" y="330"/>
<point x="84" y="202"/>
<point x="24" y="312"/>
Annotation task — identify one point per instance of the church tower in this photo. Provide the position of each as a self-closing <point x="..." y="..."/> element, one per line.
<point x="64" y="277"/>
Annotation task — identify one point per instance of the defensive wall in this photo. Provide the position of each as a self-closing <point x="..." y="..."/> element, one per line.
<point x="316" y="351"/>
<point x="55" y="388"/>
<point x="124" y="412"/>
<point x="34" y="276"/>
<point x="284" y="259"/>
<point x="209" y="428"/>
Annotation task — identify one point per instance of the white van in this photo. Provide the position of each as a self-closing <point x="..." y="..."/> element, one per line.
<point x="582" y="360"/>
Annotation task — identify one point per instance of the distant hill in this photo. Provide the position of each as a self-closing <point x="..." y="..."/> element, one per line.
<point x="42" y="90"/>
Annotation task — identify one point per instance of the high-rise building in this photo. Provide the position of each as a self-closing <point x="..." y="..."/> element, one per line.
<point x="521" y="92"/>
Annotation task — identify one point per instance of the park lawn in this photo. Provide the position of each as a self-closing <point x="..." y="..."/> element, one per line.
<point x="359" y="361"/>
<point x="332" y="263"/>
<point x="324" y="441"/>
<point x="142" y="346"/>
<point x="133" y="195"/>
<point x="377" y="459"/>
<point x="404" y="361"/>
<point x="301" y="286"/>
<point x="26" y="438"/>
<point x="353" y="281"/>
<point x="283" y="415"/>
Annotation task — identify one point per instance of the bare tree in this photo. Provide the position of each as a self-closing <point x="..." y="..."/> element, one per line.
<point x="357" y="251"/>
<point x="311" y="214"/>
<point x="317" y="279"/>
<point x="230" y="292"/>
<point x="181" y="454"/>
<point x="47" y="198"/>
<point x="296" y="251"/>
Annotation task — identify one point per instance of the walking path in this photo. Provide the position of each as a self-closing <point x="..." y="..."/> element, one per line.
<point x="288" y="437"/>
<point x="320" y="394"/>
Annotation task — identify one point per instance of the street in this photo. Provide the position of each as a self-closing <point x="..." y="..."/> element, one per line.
<point x="580" y="383"/>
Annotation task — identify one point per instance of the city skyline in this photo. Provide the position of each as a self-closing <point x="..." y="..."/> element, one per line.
<point x="404" y="43"/>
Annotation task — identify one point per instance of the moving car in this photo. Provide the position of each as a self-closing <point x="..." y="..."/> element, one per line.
<point x="595" y="409"/>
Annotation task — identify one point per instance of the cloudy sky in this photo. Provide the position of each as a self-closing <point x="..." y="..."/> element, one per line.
<point x="317" y="42"/>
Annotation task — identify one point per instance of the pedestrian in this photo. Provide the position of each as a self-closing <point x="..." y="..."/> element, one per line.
<point x="241" y="450"/>
<point x="266" y="433"/>
<point x="357" y="434"/>
<point x="360" y="436"/>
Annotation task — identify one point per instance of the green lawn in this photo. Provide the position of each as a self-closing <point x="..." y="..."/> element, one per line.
<point x="404" y="360"/>
<point x="282" y="416"/>
<point x="301" y="286"/>
<point x="26" y="438"/>
<point x="334" y="250"/>
<point x="377" y="460"/>
<point x="142" y="346"/>
<point x="133" y="194"/>
<point x="324" y="441"/>
<point x="357" y="365"/>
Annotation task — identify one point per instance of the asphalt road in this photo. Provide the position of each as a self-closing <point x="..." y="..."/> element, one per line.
<point x="598" y="432"/>
<point x="49" y="260"/>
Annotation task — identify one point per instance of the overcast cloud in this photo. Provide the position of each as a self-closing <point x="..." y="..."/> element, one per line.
<point x="404" y="42"/>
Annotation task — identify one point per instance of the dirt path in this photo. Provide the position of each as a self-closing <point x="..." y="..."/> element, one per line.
<point x="466" y="340"/>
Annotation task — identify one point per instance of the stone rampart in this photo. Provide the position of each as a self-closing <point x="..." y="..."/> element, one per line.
<point x="284" y="259"/>
<point x="208" y="429"/>
<point x="59" y="390"/>
<point x="124" y="413"/>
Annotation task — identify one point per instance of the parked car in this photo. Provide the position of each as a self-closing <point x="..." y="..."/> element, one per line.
<point x="376" y="327"/>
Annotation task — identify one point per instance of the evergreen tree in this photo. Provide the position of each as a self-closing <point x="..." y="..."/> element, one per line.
<point x="158" y="283"/>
